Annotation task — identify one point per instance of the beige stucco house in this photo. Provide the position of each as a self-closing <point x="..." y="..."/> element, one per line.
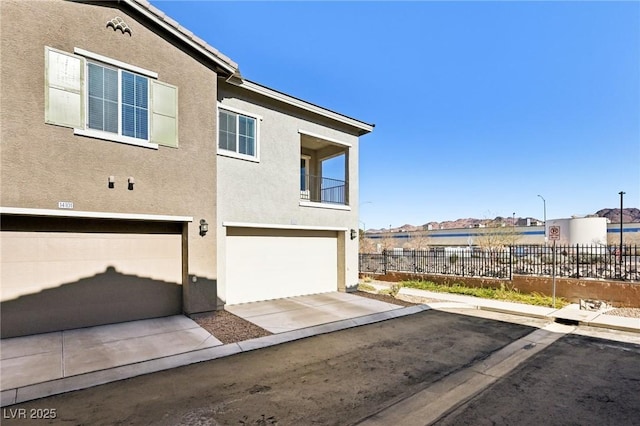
<point x="142" y="175"/>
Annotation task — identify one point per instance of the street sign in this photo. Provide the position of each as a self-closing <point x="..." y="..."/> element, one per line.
<point x="554" y="235"/>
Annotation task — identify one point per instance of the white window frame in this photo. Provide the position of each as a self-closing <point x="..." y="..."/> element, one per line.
<point x="226" y="153"/>
<point x="115" y="63"/>
<point x="119" y="66"/>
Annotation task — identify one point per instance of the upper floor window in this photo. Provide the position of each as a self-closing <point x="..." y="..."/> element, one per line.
<point x="237" y="134"/>
<point x="118" y="102"/>
<point x="107" y="99"/>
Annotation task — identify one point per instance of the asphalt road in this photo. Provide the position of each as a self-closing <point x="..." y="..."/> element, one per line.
<point x="578" y="380"/>
<point x="344" y="377"/>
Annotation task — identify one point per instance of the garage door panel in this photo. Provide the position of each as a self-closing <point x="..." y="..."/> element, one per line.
<point x="33" y="262"/>
<point x="105" y="298"/>
<point x="267" y="264"/>
<point x="59" y="280"/>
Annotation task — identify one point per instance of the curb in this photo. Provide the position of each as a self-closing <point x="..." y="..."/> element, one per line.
<point x="577" y="317"/>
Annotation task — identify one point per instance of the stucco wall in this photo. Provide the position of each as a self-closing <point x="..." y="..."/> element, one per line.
<point x="268" y="192"/>
<point x="42" y="164"/>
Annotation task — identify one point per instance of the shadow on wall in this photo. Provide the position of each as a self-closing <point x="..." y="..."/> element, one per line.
<point x="202" y="295"/>
<point x="105" y="298"/>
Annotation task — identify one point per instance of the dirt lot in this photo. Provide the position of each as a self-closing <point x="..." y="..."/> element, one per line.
<point x="332" y="379"/>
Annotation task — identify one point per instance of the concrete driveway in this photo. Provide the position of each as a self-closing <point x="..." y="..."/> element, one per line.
<point x="46" y="364"/>
<point x="294" y="313"/>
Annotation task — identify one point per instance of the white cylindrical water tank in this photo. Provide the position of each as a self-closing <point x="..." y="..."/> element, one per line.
<point x="580" y="230"/>
<point x="588" y="230"/>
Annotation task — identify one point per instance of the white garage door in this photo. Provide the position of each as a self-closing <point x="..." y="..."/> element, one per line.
<point x="61" y="280"/>
<point x="272" y="264"/>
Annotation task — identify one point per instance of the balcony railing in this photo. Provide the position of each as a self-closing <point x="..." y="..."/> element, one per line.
<point x="323" y="190"/>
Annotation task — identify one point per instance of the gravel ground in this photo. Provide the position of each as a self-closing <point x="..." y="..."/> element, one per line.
<point x="625" y="312"/>
<point x="229" y="328"/>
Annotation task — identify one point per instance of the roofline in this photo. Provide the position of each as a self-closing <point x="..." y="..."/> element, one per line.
<point x="363" y="127"/>
<point x="174" y="28"/>
<point x="233" y="75"/>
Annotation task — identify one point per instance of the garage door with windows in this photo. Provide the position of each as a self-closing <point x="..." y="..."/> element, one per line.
<point x="265" y="264"/>
<point x="60" y="274"/>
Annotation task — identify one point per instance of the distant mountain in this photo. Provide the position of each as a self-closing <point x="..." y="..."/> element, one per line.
<point x="629" y="215"/>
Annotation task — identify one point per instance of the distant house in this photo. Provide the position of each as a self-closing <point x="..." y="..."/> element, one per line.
<point x="142" y="175"/>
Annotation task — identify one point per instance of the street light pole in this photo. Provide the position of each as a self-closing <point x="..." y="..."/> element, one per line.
<point x="544" y="206"/>
<point x="621" y="221"/>
<point x="363" y="224"/>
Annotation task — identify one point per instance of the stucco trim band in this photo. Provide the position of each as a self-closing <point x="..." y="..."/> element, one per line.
<point x="315" y="135"/>
<point x="94" y="215"/>
<point x="277" y="226"/>
<point x="324" y="205"/>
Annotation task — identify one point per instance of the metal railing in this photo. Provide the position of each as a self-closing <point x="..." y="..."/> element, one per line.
<point x="569" y="261"/>
<point x="578" y="261"/>
<point x="323" y="190"/>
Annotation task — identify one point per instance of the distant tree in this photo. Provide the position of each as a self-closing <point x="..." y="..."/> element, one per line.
<point x="419" y="240"/>
<point x="367" y="244"/>
<point x="497" y="234"/>
<point x="375" y="245"/>
<point x="388" y="242"/>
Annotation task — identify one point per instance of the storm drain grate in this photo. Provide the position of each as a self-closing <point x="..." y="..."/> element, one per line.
<point x="566" y="321"/>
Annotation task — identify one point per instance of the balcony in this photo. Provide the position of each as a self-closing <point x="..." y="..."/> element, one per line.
<point x="319" y="189"/>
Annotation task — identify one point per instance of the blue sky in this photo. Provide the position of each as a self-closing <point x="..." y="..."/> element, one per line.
<point x="478" y="106"/>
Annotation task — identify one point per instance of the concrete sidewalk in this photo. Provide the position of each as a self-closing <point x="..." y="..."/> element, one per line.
<point x="571" y="313"/>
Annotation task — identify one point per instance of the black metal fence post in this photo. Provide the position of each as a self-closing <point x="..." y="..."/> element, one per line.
<point x="577" y="260"/>
<point x="511" y="263"/>
<point x="463" y="256"/>
<point x="384" y="261"/>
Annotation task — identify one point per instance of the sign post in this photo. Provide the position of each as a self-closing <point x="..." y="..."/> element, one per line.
<point x="554" y="235"/>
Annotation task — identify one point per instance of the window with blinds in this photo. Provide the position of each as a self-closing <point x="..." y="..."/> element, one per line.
<point x="104" y="98"/>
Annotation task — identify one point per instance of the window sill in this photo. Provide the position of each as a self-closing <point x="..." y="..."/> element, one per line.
<point x="238" y="156"/>
<point x="114" y="138"/>
<point x="324" y="205"/>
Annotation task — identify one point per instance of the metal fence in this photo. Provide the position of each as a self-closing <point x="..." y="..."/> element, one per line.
<point x="323" y="190"/>
<point x="574" y="261"/>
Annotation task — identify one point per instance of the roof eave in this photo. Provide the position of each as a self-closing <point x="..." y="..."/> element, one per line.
<point x="361" y="127"/>
<point x="176" y="30"/>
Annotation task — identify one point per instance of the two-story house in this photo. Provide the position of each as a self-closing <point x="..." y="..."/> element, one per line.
<point x="142" y="175"/>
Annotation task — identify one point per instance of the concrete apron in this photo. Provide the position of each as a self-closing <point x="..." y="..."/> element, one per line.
<point x="295" y="313"/>
<point x="45" y="357"/>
